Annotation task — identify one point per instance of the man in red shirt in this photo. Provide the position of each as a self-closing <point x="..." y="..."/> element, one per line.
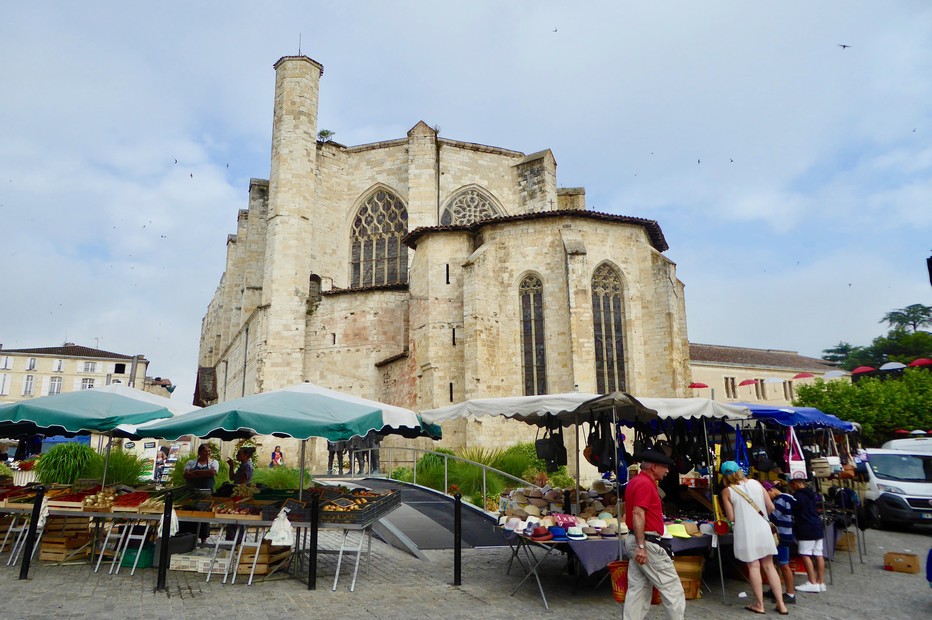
<point x="652" y="566"/>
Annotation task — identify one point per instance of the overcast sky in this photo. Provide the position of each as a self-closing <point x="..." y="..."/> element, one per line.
<point x="792" y="177"/>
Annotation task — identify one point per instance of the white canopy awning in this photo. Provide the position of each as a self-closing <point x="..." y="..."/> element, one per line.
<point x="675" y="408"/>
<point x="524" y="408"/>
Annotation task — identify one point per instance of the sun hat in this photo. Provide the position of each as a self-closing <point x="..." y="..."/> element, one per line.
<point x="575" y="533"/>
<point x="529" y="528"/>
<point x="532" y="519"/>
<point x="559" y="534"/>
<point x="611" y="522"/>
<point x="601" y="486"/>
<point x="502" y="520"/>
<point x="621" y="529"/>
<point x="541" y="534"/>
<point x="590" y="532"/>
<point x="597" y="506"/>
<point x="534" y="493"/>
<point x="547" y="521"/>
<point x="513" y="524"/>
<point x="692" y="528"/>
<point x="706" y="529"/>
<point x="654" y="456"/>
<point x="554" y="495"/>
<point x="605" y="515"/>
<point x="532" y="510"/>
<point x="538" y="501"/>
<point x="608" y="532"/>
<point x="597" y="523"/>
<point x="678" y="530"/>
<point x="729" y="467"/>
<point x="554" y="507"/>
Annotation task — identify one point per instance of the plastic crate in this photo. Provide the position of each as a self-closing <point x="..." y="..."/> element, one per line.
<point x="145" y="557"/>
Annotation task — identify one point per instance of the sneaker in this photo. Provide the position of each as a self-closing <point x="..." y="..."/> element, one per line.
<point x="822" y="587"/>
<point x="789" y="599"/>
<point x="809" y="587"/>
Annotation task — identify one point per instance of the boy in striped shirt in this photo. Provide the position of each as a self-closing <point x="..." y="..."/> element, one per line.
<point x="782" y="517"/>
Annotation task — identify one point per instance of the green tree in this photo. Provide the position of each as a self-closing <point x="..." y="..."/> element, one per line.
<point x="839" y="353"/>
<point x="879" y="406"/>
<point x="325" y="135"/>
<point x="913" y="316"/>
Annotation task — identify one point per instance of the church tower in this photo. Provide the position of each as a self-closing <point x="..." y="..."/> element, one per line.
<point x="288" y="261"/>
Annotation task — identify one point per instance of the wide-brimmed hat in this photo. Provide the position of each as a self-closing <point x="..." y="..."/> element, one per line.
<point x="547" y="521"/>
<point x="559" y="533"/>
<point x="512" y="524"/>
<point x="655" y="456"/>
<point x="605" y="515"/>
<point x="678" y="530"/>
<point x="608" y="532"/>
<point x="622" y="528"/>
<point x="529" y="528"/>
<point x="540" y="534"/>
<point x="538" y="501"/>
<point x="601" y="486"/>
<point x="692" y="528"/>
<point x="532" y="519"/>
<point x="597" y="523"/>
<point x="534" y="493"/>
<point x="590" y="532"/>
<point x="554" y="495"/>
<point x="532" y="510"/>
<point x="575" y="533"/>
<point x="597" y="506"/>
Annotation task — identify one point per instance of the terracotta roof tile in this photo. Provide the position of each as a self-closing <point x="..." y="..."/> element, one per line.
<point x="650" y="226"/>
<point x="770" y="358"/>
<point x="71" y="350"/>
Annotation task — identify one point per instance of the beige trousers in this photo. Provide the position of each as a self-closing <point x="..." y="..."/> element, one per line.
<point x="660" y="573"/>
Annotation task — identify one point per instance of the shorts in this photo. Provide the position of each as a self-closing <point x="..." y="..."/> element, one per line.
<point x="783" y="555"/>
<point x="810" y="547"/>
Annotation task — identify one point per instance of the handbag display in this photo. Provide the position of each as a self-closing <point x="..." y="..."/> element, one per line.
<point x="773" y="528"/>
<point x="796" y="463"/>
<point x="832" y="456"/>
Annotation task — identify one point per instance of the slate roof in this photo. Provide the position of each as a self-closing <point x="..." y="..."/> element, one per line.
<point x="70" y="350"/>
<point x="769" y="358"/>
<point x="650" y="226"/>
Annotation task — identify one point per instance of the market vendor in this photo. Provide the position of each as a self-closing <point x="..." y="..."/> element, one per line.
<point x="242" y="466"/>
<point x="199" y="473"/>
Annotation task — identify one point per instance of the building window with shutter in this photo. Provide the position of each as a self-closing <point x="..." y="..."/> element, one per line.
<point x="4" y="384"/>
<point x="731" y="389"/>
<point x="119" y="369"/>
<point x="55" y="386"/>
<point x="534" y="353"/>
<point x="57" y="365"/>
<point x="378" y="255"/>
<point x="608" y="328"/>
<point x="87" y="384"/>
<point x="6" y="363"/>
<point x="788" y="391"/>
<point x="27" y="385"/>
<point x="90" y="366"/>
<point x="31" y="364"/>
<point x="760" y="389"/>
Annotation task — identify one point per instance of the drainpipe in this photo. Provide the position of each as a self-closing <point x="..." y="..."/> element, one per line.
<point x="245" y="350"/>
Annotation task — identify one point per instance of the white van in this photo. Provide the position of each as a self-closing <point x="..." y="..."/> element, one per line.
<point x="910" y="444"/>
<point x="899" y="487"/>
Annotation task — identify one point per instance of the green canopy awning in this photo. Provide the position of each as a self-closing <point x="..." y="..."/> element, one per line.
<point x="99" y="410"/>
<point x="301" y="411"/>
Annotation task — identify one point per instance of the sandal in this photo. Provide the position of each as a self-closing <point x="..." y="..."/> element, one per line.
<point x="785" y="612"/>
<point x="754" y="611"/>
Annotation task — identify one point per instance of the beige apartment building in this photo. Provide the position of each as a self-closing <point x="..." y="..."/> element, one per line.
<point x="766" y="376"/>
<point x="28" y="373"/>
<point x="426" y="270"/>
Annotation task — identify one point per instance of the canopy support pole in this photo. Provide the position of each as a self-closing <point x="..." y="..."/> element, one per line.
<point x="576" y="505"/>
<point x="301" y="472"/>
<point x="712" y="469"/>
<point x="103" y="481"/>
<point x="618" y="514"/>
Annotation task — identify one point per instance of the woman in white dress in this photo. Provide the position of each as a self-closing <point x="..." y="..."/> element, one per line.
<point x="744" y="500"/>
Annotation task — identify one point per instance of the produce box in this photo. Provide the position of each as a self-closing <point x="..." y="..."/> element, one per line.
<point x="846" y="541"/>
<point x="359" y="508"/>
<point x="901" y="562"/>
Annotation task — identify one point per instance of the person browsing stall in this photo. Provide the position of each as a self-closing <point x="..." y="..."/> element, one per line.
<point x="653" y="562"/>
<point x="807" y="527"/>
<point x="745" y="503"/>
<point x="199" y="473"/>
<point x="242" y="466"/>
<point x="782" y="517"/>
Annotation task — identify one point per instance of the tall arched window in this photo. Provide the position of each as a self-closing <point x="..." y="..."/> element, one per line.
<point x="467" y="206"/>
<point x="378" y="256"/>
<point x="608" y="324"/>
<point x="532" y="335"/>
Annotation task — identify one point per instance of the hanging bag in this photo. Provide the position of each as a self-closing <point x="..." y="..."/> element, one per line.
<point x="796" y="464"/>
<point x="832" y="455"/>
<point x="544" y="446"/>
<point x="741" y="452"/>
<point x="759" y="457"/>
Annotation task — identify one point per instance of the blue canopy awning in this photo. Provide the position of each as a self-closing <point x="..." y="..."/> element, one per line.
<point x="805" y="417"/>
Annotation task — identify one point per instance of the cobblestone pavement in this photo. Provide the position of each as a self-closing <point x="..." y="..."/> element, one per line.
<point x="401" y="586"/>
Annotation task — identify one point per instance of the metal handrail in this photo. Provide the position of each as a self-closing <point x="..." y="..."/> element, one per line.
<point x="446" y="461"/>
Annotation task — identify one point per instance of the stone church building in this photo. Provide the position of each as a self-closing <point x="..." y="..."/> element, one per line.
<point x="423" y="271"/>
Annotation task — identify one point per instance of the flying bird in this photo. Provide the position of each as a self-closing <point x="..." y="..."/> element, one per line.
<point x="698" y="161"/>
<point x="176" y="161"/>
<point x="843" y="46"/>
<point x="191" y="174"/>
<point x="554" y="29"/>
<point x="731" y="160"/>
